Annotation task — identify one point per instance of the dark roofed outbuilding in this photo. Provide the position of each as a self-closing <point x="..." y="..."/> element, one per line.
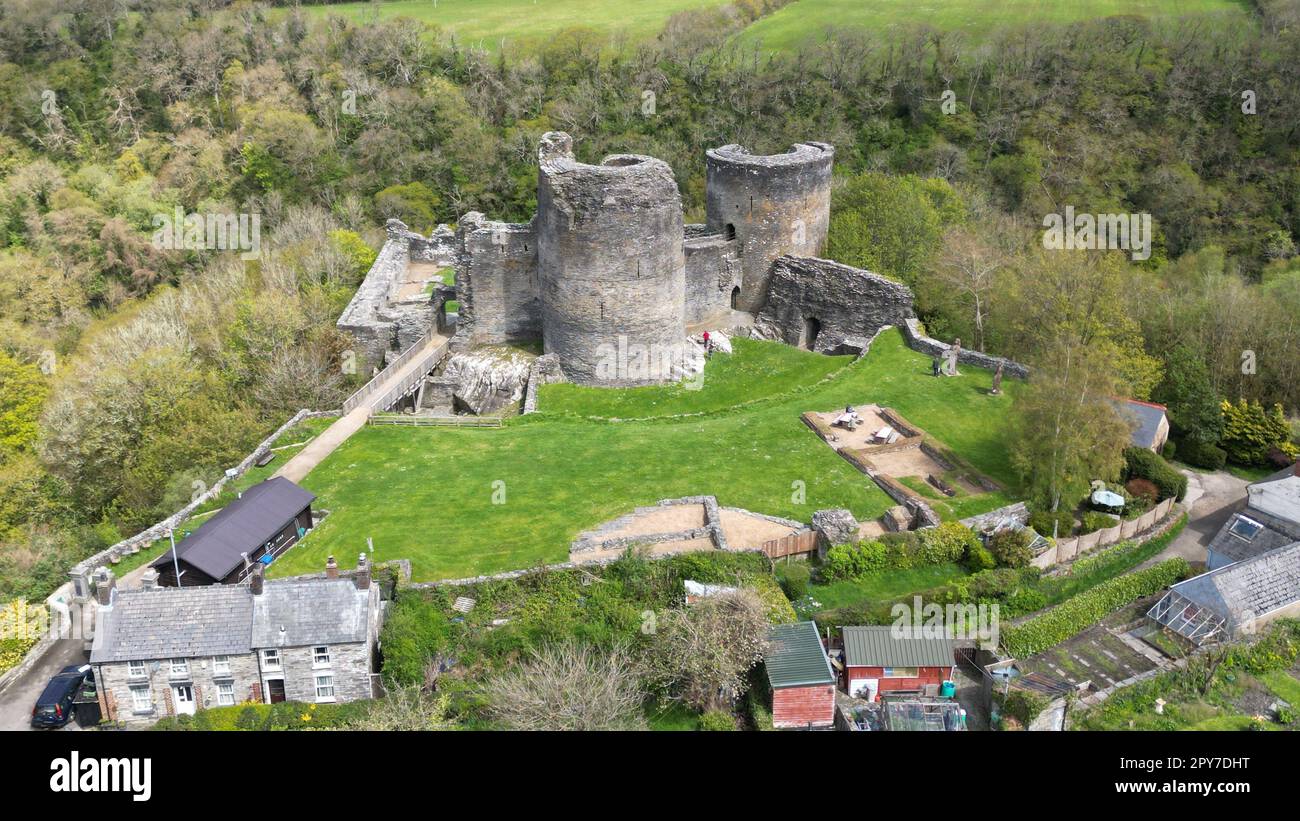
<point x="266" y="520"/>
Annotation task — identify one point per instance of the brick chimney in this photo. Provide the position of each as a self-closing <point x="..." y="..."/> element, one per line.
<point x="255" y="579"/>
<point x="149" y="581"/>
<point x="362" y="577"/>
<point x="331" y="568"/>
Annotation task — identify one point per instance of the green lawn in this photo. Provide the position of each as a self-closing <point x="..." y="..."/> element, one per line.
<point x="489" y="23"/>
<point x="428" y="494"/>
<point x="884" y="586"/>
<point x="757" y="371"/>
<point x="805" y="20"/>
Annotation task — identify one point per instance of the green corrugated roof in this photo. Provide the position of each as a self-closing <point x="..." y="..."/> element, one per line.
<point x="795" y="656"/>
<point x="879" y="647"/>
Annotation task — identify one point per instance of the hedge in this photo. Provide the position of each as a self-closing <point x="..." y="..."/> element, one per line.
<point x="1143" y="464"/>
<point x="1087" y="608"/>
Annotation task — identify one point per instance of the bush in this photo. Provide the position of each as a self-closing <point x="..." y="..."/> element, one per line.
<point x="717" y="721"/>
<point x="414" y="631"/>
<point x="795" y="582"/>
<point x="1010" y="547"/>
<point x="979" y="558"/>
<point x="1141" y="463"/>
<point x="1169" y="450"/>
<point x="852" y="561"/>
<point x="1203" y="455"/>
<point x="1142" y="489"/>
<point x="1094" y="521"/>
<point x="1023" y="706"/>
<point x="1043" y="522"/>
<point x="1250" y="430"/>
<point x="1078" y="613"/>
<point x="948" y="542"/>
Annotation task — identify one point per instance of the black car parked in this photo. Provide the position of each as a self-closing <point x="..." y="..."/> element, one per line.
<point x="54" y="707"/>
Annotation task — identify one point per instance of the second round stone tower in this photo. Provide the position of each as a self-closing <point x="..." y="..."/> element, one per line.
<point x="610" y="263"/>
<point x="770" y="204"/>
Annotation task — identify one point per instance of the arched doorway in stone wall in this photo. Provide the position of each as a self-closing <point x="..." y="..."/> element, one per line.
<point x="735" y="297"/>
<point x="811" y="327"/>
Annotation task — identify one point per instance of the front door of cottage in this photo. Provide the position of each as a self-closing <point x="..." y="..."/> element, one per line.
<point x="275" y="690"/>
<point x="183" y="699"/>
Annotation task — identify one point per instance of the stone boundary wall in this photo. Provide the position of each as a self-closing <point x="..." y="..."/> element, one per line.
<point x="918" y="341"/>
<point x="1068" y="550"/>
<point x="133" y="544"/>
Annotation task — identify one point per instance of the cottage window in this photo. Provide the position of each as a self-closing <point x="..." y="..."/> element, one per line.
<point x="271" y="659"/>
<point x="141" y="699"/>
<point x="320" y="657"/>
<point x="135" y="669"/>
<point x="221" y="665"/>
<point x="325" y="687"/>
<point x="900" y="672"/>
<point x="180" y="667"/>
<point x="225" y="694"/>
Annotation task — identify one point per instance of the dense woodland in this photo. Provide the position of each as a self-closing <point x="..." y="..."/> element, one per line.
<point x="129" y="375"/>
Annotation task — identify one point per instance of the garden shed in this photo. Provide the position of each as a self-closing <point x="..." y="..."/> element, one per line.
<point x="803" y="684"/>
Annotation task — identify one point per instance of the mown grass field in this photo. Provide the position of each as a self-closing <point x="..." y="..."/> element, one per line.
<point x="794" y="25"/>
<point x="530" y="23"/>
<point x="462" y="502"/>
<point x="523" y="22"/>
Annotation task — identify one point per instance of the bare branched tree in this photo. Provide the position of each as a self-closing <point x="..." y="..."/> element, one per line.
<point x="702" y="653"/>
<point x="569" y="687"/>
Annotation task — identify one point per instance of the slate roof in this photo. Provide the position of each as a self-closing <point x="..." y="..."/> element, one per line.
<point x="1236" y="548"/>
<point x="795" y="656"/>
<point x="1147" y="416"/>
<point x="879" y="647"/>
<point x="227" y="620"/>
<point x="240" y="527"/>
<point x="172" y="622"/>
<point x="1256" y="586"/>
<point x="296" y="613"/>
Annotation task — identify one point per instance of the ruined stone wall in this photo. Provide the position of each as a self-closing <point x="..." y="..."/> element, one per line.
<point x="918" y="341"/>
<point x="712" y="273"/>
<point x="496" y="281"/>
<point x="611" y="266"/>
<point x="808" y="296"/>
<point x="378" y="324"/>
<point x="773" y="205"/>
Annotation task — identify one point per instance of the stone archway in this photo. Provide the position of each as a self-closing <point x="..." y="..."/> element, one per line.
<point x="812" y="326"/>
<point x="735" y="297"/>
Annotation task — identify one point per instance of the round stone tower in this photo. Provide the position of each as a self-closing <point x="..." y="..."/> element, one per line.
<point x="771" y="205"/>
<point x="611" y="269"/>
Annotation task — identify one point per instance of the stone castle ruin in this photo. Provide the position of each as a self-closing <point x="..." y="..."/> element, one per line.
<point x="613" y="284"/>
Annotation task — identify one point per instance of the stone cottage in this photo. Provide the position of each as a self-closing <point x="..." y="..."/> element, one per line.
<point x="161" y="652"/>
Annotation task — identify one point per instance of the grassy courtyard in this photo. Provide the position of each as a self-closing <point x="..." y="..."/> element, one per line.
<point x="461" y="502"/>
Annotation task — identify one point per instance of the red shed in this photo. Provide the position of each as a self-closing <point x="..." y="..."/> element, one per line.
<point x="881" y="659"/>
<point x="803" y="684"/>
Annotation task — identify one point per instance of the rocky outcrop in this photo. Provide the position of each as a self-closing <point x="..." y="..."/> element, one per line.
<point x="488" y="379"/>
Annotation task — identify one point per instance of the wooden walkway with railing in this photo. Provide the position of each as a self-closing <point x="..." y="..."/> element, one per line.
<point x="400" y="379"/>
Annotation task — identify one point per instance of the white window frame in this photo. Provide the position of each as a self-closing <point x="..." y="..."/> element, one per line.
<point x="331" y="696"/>
<point x="221" y="665"/>
<point x="900" y="672"/>
<point x="138" y="691"/>
<point x="179" y="668"/>
<point x="136" y="670"/>
<point x="317" y="654"/>
<point x="271" y="660"/>
<point x="223" y="699"/>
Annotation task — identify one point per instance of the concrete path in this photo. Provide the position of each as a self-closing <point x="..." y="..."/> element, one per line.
<point x="17" y="700"/>
<point x="336" y="434"/>
<point x="1211" y="498"/>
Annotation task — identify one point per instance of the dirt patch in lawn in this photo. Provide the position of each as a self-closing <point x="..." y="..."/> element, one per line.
<point x="746" y="530"/>
<point x="666" y="519"/>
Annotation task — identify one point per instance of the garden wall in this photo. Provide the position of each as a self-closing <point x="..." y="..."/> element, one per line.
<point x="1067" y="550"/>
